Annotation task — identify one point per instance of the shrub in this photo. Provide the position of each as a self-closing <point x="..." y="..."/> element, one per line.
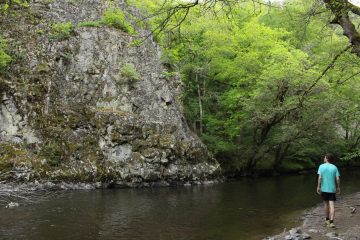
<point x="351" y="156"/>
<point x="115" y="17"/>
<point x="53" y="153"/>
<point x="6" y="5"/>
<point x="62" y="31"/>
<point x="168" y="75"/>
<point x="128" y="72"/>
<point x="136" y="43"/>
<point x="4" y="57"/>
<point x="12" y="155"/>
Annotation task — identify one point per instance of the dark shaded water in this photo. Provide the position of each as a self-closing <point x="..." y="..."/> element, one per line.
<point x="245" y="209"/>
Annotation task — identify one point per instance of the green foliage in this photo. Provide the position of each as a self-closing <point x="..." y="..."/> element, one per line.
<point x="7" y="5"/>
<point x="352" y="156"/>
<point x="168" y="75"/>
<point x="7" y="152"/>
<point x="12" y="155"/>
<point x="62" y="31"/>
<point x="147" y="6"/>
<point x="136" y="43"/>
<point x="258" y="87"/>
<point x="53" y="154"/>
<point x="4" y="57"/>
<point x="116" y="18"/>
<point x="128" y="72"/>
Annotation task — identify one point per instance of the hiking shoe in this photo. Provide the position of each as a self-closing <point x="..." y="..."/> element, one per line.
<point x="331" y="225"/>
<point x="327" y="223"/>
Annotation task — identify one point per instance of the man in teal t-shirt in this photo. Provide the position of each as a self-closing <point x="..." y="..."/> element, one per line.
<point x="328" y="186"/>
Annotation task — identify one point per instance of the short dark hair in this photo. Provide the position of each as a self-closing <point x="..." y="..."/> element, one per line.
<point x="330" y="157"/>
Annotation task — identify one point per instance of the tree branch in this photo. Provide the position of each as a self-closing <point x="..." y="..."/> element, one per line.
<point x="345" y="80"/>
<point x="341" y="9"/>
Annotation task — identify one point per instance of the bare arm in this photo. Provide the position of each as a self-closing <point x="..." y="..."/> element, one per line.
<point x="318" y="190"/>
<point x="338" y="185"/>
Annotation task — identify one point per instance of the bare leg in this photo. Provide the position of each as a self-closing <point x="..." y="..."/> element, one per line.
<point x="331" y="210"/>
<point x="327" y="210"/>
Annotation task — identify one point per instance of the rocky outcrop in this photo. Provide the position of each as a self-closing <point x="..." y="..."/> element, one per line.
<point x="70" y="111"/>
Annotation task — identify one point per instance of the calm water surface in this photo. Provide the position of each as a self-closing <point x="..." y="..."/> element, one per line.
<point x="245" y="209"/>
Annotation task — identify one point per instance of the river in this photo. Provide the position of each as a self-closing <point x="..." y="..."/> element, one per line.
<point x="243" y="209"/>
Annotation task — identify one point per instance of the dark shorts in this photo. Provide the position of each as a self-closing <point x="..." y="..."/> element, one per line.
<point x="328" y="196"/>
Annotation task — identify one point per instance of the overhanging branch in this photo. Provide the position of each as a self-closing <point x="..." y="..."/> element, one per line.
<point x="341" y="9"/>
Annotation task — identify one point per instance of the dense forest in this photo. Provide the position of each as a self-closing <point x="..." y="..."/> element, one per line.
<point x="266" y="86"/>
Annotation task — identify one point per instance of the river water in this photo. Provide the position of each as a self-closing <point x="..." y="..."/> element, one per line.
<point x="244" y="209"/>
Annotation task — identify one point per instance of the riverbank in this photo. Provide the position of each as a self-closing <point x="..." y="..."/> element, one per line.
<point x="347" y="221"/>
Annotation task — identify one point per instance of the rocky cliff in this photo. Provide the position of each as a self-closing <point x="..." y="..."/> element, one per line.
<point x="84" y="100"/>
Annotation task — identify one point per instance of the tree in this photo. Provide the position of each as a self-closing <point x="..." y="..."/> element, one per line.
<point x="266" y="86"/>
<point x="261" y="88"/>
<point x="345" y="14"/>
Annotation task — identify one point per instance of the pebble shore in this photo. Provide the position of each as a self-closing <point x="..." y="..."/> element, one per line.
<point x="347" y="221"/>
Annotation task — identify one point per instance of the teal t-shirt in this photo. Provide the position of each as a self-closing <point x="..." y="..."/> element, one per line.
<point x="328" y="173"/>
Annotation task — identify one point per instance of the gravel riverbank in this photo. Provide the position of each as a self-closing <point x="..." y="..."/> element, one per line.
<point x="347" y="221"/>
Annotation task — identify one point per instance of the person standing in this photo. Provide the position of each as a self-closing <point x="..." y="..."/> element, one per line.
<point x="328" y="185"/>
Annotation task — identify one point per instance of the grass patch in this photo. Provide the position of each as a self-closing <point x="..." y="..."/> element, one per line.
<point x="129" y="74"/>
<point x="168" y="75"/>
<point x="116" y="18"/>
<point x="5" y="59"/>
<point x="12" y="155"/>
<point x="62" y="31"/>
<point x="136" y="43"/>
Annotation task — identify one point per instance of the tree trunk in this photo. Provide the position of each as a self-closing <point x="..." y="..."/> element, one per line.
<point x="342" y="9"/>
<point x="201" y="112"/>
<point x="280" y="155"/>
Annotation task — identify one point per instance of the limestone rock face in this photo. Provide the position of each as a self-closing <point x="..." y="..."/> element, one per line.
<point x="67" y="106"/>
